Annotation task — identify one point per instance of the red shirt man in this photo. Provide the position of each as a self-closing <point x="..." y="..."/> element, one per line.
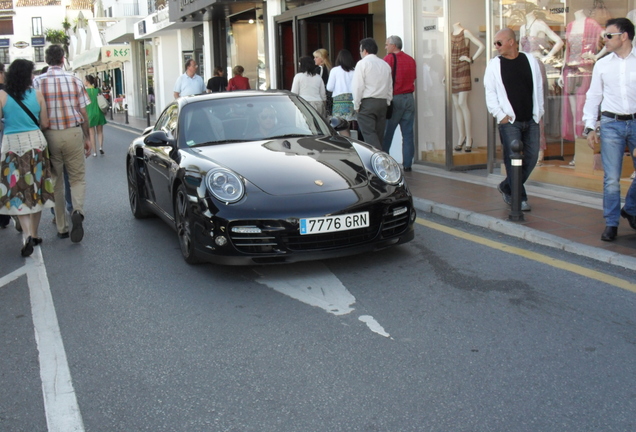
<point x="403" y="69"/>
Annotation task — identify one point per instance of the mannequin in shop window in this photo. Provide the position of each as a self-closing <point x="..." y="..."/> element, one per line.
<point x="582" y="44"/>
<point x="535" y="35"/>
<point x="461" y="81"/>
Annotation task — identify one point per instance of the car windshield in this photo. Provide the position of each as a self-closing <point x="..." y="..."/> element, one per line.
<point x="249" y="118"/>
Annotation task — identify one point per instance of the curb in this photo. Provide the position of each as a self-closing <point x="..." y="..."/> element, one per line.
<point x="522" y="232"/>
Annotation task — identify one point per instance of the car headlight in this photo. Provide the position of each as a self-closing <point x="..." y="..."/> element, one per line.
<point x="224" y="185"/>
<point x="386" y="168"/>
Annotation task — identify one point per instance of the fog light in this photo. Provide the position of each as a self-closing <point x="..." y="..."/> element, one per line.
<point x="220" y="241"/>
<point x="399" y="211"/>
<point x="251" y="229"/>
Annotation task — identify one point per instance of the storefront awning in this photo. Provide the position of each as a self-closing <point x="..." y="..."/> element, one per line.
<point x="107" y="57"/>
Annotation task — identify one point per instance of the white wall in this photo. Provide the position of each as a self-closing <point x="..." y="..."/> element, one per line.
<point x="167" y="70"/>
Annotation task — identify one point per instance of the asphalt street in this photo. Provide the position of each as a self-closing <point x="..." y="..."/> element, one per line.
<point x="446" y="333"/>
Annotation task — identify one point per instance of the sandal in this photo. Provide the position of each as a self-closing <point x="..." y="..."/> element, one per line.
<point x="101" y="151"/>
<point x="458" y="147"/>
<point x="469" y="148"/>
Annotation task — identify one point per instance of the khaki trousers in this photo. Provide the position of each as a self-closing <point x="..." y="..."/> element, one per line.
<point x="66" y="148"/>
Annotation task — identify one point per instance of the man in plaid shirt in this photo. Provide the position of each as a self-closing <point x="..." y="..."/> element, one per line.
<point x="68" y="138"/>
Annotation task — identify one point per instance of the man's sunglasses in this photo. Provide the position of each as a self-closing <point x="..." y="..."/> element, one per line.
<point x="611" y="35"/>
<point x="498" y="43"/>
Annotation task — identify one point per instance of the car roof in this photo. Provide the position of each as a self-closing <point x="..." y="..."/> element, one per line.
<point x="230" y="95"/>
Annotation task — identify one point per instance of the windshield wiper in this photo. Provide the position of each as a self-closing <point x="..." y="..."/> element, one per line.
<point x="216" y="142"/>
<point x="294" y="135"/>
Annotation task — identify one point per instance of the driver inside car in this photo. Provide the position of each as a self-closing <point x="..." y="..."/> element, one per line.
<point x="266" y="123"/>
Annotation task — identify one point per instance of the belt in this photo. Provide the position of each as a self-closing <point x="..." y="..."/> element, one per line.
<point x="623" y="117"/>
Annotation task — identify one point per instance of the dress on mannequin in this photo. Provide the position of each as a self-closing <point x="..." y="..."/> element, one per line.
<point x="582" y="43"/>
<point x="461" y="81"/>
<point x="534" y="37"/>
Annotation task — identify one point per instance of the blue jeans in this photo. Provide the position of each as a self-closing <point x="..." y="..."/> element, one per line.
<point x="404" y="116"/>
<point x="528" y="133"/>
<point x="615" y="135"/>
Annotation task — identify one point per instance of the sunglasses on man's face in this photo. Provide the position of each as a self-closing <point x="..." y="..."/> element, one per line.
<point x="498" y="44"/>
<point x="611" y="35"/>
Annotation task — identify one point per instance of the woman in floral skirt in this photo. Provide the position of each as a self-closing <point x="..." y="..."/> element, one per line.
<point x="26" y="186"/>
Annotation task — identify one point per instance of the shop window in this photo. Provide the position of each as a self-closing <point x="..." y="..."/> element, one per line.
<point x="6" y="26"/>
<point x="36" y="24"/>
<point x="38" y="53"/>
<point x="4" y="56"/>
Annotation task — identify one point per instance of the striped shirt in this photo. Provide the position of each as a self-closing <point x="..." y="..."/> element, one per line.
<point x="64" y="95"/>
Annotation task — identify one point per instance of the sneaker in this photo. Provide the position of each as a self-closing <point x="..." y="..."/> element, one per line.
<point x="525" y="206"/>
<point x="507" y="199"/>
<point x="77" y="232"/>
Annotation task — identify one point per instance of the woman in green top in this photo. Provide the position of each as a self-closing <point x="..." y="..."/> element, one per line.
<point x="96" y="118"/>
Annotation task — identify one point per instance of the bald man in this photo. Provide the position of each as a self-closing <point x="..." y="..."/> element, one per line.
<point x="514" y="96"/>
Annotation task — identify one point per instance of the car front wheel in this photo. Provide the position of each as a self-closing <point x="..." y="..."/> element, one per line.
<point x="134" y="195"/>
<point x="185" y="226"/>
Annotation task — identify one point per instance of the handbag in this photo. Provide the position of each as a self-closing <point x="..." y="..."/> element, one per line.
<point x="389" y="109"/>
<point x="103" y="104"/>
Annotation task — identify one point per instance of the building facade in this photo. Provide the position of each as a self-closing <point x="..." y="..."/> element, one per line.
<point x="268" y="37"/>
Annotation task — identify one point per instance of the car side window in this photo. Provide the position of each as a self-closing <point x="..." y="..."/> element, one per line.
<point x="168" y="120"/>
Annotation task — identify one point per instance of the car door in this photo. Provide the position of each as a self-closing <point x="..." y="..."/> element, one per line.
<point x="159" y="162"/>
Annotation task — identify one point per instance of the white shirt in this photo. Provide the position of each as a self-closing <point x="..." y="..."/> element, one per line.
<point x="309" y="87"/>
<point x="187" y="86"/>
<point x="371" y="79"/>
<point x="613" y="87"/>
<point x="339" y="81"/>
<point x="497" y="98"/>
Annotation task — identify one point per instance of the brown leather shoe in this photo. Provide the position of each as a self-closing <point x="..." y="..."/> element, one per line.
<point x="609" y="234"/>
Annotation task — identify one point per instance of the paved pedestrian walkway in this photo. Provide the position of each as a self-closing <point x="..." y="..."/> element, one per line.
<point x="563" y="218"/>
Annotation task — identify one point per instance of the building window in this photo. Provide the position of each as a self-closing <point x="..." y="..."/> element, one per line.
<point x="4" y="55"/>
<point x="39" y="53"/>
<point x="36" y="23"/>
<point x="6" y="26"/>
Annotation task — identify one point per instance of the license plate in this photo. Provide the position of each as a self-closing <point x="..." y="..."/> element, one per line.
<point x="325" y="224"/>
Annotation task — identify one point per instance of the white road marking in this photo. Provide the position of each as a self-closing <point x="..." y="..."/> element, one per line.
<point x="373" y="325"/>
<point x="312" y="283"/>
<point x="60" y="404"/>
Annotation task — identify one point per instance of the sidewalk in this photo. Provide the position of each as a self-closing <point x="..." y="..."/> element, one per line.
<point x="563" y="218"/>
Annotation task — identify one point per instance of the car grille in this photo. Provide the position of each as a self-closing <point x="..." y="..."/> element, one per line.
<point x="275" y="239"/>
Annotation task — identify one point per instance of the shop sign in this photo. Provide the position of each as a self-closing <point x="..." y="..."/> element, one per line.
<point x="21" y="44"/>
<point x="141" y="27"/>
<point x="112" y="53"/>
<point x="4" y="43"/>
<point x="38" y="41"/>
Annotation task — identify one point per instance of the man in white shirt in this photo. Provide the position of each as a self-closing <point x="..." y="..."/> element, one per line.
<point x="372" y="92"/>
<point x="613" y="88"/>
<point x="189" y="83"/>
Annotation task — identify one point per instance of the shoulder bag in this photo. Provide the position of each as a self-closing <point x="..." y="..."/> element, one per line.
<point x="389" y="109"/>
<point x="103" y="104"/>
<point x="26" y="110"/>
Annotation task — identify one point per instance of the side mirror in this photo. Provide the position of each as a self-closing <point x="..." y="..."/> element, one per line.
<point x="339" y="124"/>
<point x="159" y="139"/>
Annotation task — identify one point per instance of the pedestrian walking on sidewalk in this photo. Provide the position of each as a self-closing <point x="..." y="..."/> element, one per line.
<point x="612" y="88"/>
<point x="189" y="83"/>
<point x="68" y="138"/>
<point x="309" y="85"/>
<point x="514" y="96"/>
<point x="403" y="70"/>
<point x="96" y="118"/>
<point x="26" y="180"/>
<point x="372" y="93"/>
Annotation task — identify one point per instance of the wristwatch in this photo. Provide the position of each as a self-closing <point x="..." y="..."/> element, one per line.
<point x="586" y="131"/>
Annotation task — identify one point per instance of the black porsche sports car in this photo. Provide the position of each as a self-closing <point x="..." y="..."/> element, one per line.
<point x="258" y="177"/>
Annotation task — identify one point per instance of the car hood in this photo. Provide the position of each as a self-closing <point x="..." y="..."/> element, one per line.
<point x="294" y="165"/>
